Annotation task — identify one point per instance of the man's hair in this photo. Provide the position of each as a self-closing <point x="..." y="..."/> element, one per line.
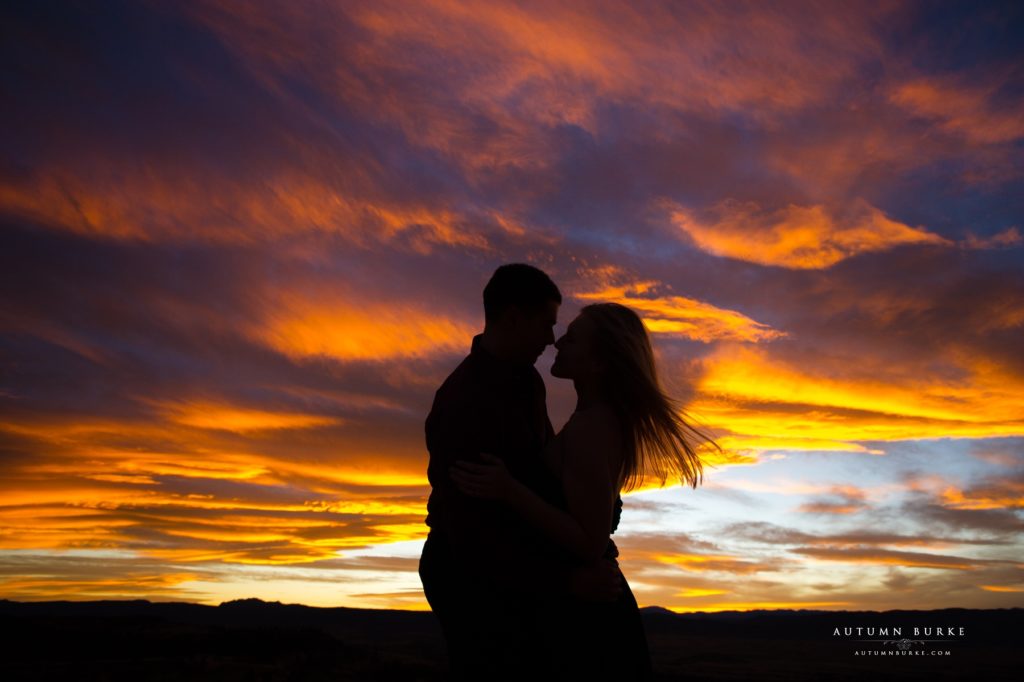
<point x="518" y="284"/>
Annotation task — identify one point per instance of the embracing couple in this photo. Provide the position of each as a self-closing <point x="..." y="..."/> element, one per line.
<point x="519" y="565"/>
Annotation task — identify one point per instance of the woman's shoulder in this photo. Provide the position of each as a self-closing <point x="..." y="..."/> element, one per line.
<point x="599" y="413"/>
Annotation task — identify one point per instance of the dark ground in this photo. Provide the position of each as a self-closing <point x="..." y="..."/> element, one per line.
<point x="254" y="641"/>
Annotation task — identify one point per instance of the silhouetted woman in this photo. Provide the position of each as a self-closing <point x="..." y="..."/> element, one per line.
<point x="624" y="430"/>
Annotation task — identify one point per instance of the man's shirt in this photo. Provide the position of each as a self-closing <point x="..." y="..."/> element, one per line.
<point x="499" y="407"/>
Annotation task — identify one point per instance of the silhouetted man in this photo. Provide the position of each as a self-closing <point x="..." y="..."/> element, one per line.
<point x="484" y="570"/>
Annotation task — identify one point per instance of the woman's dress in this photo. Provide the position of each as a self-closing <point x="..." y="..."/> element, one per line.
<point x="593" y="640"/>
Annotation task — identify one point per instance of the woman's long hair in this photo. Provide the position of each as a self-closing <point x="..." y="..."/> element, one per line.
<point x="659" y="441"/>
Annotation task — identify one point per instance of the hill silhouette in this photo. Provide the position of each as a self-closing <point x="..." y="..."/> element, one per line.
<point x="250" y="639"/>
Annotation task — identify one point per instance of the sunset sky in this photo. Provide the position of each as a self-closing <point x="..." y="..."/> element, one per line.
<point x="243" y="243"/>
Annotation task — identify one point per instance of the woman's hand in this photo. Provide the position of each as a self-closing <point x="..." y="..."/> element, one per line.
<point x="490" y="480"/>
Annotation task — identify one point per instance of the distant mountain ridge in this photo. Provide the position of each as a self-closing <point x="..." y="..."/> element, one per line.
<point x="996" y="624"/>
<point x="251" y="639"/>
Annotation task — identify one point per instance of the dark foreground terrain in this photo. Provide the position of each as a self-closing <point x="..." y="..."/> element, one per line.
<point x="255" y="640"/>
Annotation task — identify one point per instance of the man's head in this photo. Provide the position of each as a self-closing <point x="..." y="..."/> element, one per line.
<point x="521" y="310"/>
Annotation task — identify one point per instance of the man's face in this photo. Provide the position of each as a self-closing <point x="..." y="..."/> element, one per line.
<point x="535" y="330"/>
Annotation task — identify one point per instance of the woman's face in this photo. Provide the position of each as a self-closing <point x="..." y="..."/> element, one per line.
<point x="577" y="357"/>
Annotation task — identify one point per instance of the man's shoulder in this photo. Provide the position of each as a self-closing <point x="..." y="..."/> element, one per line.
<point x="462" y="376"/>
<point x="463" y="386"/>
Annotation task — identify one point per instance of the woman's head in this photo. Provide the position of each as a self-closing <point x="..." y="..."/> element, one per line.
<point x="608" y="347"/>
<point x="578" y="358"/>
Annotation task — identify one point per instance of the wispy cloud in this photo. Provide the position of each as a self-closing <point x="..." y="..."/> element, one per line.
<point x="678" y="315"/>
<point x="795" y="236"/>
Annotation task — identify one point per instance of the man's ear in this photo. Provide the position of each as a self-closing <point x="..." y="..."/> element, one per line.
<point x="514" y="316"/>
<point x="503" y="320"/>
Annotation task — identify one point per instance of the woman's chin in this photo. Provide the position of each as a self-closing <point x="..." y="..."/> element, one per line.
<point x="559" y="372"/>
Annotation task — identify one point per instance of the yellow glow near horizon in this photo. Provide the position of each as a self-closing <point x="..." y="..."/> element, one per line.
<point x="700" y="592"/>
<point x="760" y="606"/>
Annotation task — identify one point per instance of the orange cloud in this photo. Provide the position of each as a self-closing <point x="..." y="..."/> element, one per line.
<point x="1007" y="238"/>
<point x="205" y="498"/>
<point x="1004" y="494"/>
<point x="161" y="585"/>
<point x="765" y="402"/>
<point x="190" y="528"/>
<point x="700" y="592"/>
<point x="798" y="237"/>
<point x="681" y="316"/>
<point x="704" y="562"/>
<point x="166" y="204"/>
<point x="617" y="49"/>
<point x="210" y="415"/>
<point x="543" y="66"/>
<point x="967" y="110"/>
<point x="311" y="325"/>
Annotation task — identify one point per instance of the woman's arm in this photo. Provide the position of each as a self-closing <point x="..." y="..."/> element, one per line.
<point x="591" y="443"/>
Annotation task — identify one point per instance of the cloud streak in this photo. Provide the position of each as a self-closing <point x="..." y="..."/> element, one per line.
<point x="796" y="236"/>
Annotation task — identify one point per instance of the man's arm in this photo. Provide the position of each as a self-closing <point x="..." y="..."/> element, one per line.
<point x="591" y="460"/>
